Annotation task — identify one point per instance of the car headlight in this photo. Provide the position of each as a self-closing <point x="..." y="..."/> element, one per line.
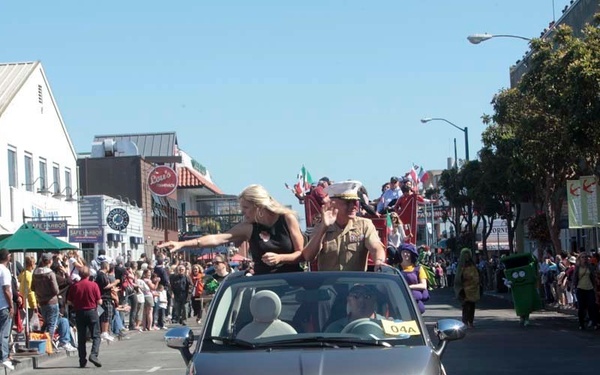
<point x="522" y="273"/>
<point x="515" y="275"/>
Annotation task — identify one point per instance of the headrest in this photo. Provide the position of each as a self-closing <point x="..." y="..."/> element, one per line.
<point x="265" y="306"/>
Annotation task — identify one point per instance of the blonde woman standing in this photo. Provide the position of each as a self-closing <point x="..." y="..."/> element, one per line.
<point x="271" y="229"/>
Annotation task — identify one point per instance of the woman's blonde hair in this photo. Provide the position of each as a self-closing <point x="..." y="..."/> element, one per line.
<point x="260" y="197"/>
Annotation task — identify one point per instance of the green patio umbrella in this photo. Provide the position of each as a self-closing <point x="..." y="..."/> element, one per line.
<point x="29" y="238"/>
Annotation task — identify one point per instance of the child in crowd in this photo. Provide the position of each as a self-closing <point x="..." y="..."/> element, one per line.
<point x="162" y="305"/>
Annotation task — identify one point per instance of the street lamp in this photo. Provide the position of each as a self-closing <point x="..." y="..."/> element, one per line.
<point x="478" y="38"/>
<point x="70" y="194"/>
<point x="464" y="130"/>
<point x="469" y="204"/>
<point x="47" y="191"/>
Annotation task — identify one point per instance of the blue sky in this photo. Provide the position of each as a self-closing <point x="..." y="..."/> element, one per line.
<point x="255" y="89"/>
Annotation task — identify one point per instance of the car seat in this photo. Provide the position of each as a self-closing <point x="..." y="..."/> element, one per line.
<point x="265" y="307"/>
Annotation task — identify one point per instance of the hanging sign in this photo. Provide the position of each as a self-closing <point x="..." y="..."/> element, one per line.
<point x="162" y="180"/>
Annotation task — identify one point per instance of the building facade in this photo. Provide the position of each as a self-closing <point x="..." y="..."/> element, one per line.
<point x="38" y="162"/>
<point x="110" y="224"/>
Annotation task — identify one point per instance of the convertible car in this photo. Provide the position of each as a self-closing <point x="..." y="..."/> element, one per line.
<point x="314" y="323"/>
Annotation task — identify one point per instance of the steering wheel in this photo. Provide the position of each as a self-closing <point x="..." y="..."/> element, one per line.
<point x="364" y="327"/>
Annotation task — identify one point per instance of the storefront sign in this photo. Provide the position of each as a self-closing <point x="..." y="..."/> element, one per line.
<point x="117" y="219"/>
<point x="87" y="235"/>
<point x="56" y="228"/>
<point x="162" y="180"/>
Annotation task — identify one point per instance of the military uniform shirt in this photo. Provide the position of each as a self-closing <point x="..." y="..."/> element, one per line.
<point x="344" y="249"/>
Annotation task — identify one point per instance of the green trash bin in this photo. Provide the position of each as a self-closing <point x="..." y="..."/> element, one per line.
<point x="522" y="273"/>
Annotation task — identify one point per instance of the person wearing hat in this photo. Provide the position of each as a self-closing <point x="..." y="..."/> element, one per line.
<point x="414" y="274"/>
<point x="390" y="196"/>
<point x="342" y="240"/>
<point x="361" y="303"/>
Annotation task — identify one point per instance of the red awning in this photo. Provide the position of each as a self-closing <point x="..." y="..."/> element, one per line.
<point x="189" y="178"/>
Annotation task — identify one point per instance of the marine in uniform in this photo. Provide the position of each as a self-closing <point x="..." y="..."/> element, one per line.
<point x="342" y="241"/>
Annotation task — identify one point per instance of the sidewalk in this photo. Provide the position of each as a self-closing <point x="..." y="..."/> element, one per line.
<point x="547" y="307"/>
<point x="29" y="362"/>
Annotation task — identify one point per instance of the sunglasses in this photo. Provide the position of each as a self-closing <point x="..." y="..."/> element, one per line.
<point x="217" y="262"/>
<point x="361" y="295"/>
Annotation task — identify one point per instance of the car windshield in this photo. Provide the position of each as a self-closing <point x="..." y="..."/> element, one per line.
<point x="326" y="309"/>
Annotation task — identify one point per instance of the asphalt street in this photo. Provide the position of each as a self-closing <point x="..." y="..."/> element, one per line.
<point x="552" y="344"/>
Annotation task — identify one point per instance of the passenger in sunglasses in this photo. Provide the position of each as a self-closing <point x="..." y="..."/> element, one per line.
<point x="361" y="303"/>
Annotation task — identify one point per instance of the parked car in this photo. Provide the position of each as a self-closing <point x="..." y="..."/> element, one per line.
<point x="314" y="323"/>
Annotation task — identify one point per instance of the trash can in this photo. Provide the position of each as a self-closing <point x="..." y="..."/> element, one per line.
<point x="522" y="272"/>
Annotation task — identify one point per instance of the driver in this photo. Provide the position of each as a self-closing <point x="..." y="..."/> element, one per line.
<point x="361" y="303"/>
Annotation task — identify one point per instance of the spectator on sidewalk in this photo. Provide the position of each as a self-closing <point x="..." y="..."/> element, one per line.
<point x="584" y="282"/>
<point x="25" y="286"/>
<point x="181" y="285"/>
<point x="45" y="287"/>
<point x="106" y="287"/>
<point x="85" y="297"/>
<point x="6" y="308"/>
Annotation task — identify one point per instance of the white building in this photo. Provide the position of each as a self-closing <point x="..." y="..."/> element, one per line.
<point x="38" y="163"/>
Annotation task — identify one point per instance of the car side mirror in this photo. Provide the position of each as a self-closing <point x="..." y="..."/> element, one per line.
<point x="448" y="330"/>
<point x="181" y="338"/>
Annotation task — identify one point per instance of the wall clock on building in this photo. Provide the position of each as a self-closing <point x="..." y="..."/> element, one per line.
<point x="117" y="219"/>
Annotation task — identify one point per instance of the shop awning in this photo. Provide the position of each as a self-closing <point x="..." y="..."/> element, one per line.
<point x="494" y="246"/>
<point x="189" y="178"/>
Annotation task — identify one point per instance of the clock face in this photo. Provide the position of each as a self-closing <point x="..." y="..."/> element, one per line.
<point x="117" y="219"/>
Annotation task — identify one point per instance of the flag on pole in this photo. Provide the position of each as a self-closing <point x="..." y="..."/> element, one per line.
<point x="304" y="182"/>
<point x="423" y="176"/>
<point x="412" y="174"/>
<point x="388" y="223"/>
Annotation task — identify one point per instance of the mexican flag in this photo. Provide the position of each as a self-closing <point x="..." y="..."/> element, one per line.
<point x="388" y="223"/>
<point x="304" y="182"/>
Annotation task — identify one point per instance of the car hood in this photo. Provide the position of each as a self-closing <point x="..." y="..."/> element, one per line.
<point x="347" y="361"/>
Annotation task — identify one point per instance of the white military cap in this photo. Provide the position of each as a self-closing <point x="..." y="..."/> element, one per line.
<point x="344" y="190"/>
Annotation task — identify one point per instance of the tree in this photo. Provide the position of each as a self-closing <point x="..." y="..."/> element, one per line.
<point x="505" y="176"/>
<point x="553" y="116"/>
<point x="452" y="182"/>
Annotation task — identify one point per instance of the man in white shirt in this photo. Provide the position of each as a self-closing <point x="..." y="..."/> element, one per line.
<point x="6" y="308"/>
<point x="390" y="196"/>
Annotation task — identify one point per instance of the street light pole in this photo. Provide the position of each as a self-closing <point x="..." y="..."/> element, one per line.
<point x="455" y="156"/>
<point x="469" y="203"/>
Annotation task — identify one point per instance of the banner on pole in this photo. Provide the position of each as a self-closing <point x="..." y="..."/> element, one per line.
<point x="574" y="201"/>
<point x="589" y="201"/>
